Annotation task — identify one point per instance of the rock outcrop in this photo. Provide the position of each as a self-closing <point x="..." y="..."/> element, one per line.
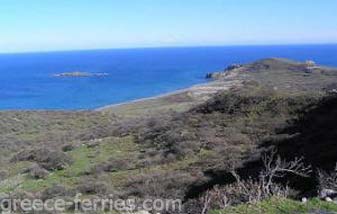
<point x="217" y="75"/>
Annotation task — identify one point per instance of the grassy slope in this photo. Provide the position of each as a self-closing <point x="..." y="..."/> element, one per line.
<point x="282" y="206"/>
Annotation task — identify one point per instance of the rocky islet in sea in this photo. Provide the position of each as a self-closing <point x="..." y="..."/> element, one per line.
<point x="80" y="74"/>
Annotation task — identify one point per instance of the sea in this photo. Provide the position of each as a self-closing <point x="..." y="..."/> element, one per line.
<point x="28" y="82"/>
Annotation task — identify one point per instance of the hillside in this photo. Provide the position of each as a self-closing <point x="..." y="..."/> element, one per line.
<point x="178" y="145"/>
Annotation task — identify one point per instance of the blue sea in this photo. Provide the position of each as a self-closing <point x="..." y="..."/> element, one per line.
<point x="27" y="81"/>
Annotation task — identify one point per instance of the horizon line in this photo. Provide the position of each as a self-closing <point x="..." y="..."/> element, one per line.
<point x="160" y="47"/>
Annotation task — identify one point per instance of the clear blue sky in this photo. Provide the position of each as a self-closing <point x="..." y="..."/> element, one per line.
<point x="43" y="25"/>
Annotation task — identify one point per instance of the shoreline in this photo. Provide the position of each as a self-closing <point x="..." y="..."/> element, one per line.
<point x="140" y="100"/>
<point x="163" y="95"/>
<point x="190" y="95"/>
<point x="231" y="78"/>
<point x="195" y="92"/>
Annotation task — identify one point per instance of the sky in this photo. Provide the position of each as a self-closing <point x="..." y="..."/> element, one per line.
<point x="48" y="25"/>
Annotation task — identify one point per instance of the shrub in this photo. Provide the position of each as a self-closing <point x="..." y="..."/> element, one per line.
<point x="56" y="190"/>
<point x="37" y="172"/>
<point x="3" y="175"/>
<point x="90" y="186"/>
<point x="161" y="185"/>
<point x="48" y="159"/>
<point x="68" y="148"/>
<point x="327" y="183"/>
<point x="113" y="165"/>
<point x="253" y="190"/>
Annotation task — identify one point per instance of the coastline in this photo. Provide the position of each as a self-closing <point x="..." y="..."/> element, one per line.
<point x="72" y="93"/>
<point x="178" y="100"/>
<point x="162" y="95"/>
<point x="105" y="107"/>
<point x="197" y="92"/>
<point x="183" y="99"/>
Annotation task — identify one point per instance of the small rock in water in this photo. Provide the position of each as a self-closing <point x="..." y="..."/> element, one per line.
<point x="80" y="74"/>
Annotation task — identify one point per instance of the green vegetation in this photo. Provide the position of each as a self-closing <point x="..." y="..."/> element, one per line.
<point x="282" y="206"/>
